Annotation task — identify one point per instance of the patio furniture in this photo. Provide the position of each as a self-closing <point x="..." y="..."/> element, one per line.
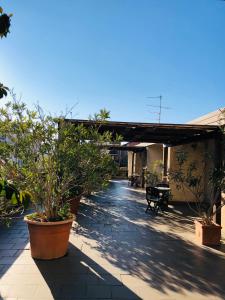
<point x="134" y="180"/>
<point x="163" y="184"/>
<point x="157" y="198"/>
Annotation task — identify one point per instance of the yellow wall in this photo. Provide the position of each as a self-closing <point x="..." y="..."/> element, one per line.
<point x="203" y="154"/>
<point x="154" y="153"/>
<point x="223" y="218"/>
<point x="139" y="162"/>
<point x="129" y="163"/>
<point x="142" y="159"/>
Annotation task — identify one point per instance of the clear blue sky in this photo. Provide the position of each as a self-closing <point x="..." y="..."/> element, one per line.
<point x="115" y="53"/>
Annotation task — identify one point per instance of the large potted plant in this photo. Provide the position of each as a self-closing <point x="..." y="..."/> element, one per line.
<point x="49" y="158"/>
<point x="87" y="157"/>
<point x="206" y="203"/>
<point x="33" y="157"/>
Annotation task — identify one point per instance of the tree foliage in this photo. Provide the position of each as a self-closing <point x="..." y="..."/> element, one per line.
<point x="47" y="156"/>
<point x="5" y="22"/>
<point x="188" y="178"/>
<point x="3" y="90"/>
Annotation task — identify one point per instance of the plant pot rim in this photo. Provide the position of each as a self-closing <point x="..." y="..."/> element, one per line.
<point x="204" y="225"/>
<point x="47" y="223"/>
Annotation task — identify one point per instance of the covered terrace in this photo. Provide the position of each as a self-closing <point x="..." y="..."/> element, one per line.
<point x="170" y="136"/>
<point x="116" y="251"/>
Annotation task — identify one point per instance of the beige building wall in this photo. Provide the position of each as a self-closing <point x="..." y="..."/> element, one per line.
<point x="202" y="154"/>
<point x="214" y="118"/>
<point x="148" y="158"/>
<point x="223" y="217"/>
<point x="154" y="153"/>
<point x="139" y="162"/>
<point x="129" y="163"/>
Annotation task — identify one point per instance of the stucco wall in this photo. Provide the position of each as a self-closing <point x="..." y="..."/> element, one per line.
<point x="202" y="154"/>
<point x="129" y="162"/>
<point x="154" y="153"/>
<point x="142" y="159"/>
<point x="139" y="162"/>
<point x="223" y="218"/>
<point x="215" y="118"/>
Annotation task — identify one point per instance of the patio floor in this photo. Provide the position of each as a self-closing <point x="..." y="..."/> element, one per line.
<point x="116" y="251"/>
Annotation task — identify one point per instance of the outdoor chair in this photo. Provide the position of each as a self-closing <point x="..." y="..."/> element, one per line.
<point x="156" y="200"/>
<point x="162" y="184"/>
<point x="134" y="180"/>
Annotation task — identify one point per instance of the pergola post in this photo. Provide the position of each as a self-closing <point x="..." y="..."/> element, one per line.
<point x="165" y="162"/>
<point x="132" y="164"/>
<point x="218" y="163"/>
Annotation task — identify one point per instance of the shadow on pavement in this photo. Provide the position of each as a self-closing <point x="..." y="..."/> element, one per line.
<point x="77" y="276"/>
<point x="139" y="244"/>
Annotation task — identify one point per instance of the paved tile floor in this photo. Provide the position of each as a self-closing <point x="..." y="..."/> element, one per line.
<point x="116" y="251"/>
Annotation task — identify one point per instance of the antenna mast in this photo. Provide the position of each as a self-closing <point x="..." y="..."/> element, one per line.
<point x="160" y="107"/>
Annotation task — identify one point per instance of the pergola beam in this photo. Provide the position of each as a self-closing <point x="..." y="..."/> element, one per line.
<point x="170" y="134"/>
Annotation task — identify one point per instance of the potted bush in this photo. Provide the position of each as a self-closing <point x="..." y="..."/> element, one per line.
<point x="48" y="158"/>
<point x="94" y="166"/>
<point x="73" y="196"/>
<point x="153" y="176"/>
<point x="32" y="158"/>
<point x="206" y="206"/>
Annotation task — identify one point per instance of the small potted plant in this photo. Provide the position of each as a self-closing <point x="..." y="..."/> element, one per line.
<point x="187" y="177"/>
<point x="73" y="197"/>
<point x="154" y="175"/>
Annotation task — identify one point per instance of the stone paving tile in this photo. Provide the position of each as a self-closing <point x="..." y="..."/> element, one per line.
<point x="22" y="290"/>
<point x="99" y="291"/>
<point x="21" y="246"/>
<point x="4" y="290"/>
<point x="116" y="251"/>
<point x="7" y="260"/>
<point x="6" y="246"/>
<point x="45" y="292"/>
<point x="122" y="292"/>
<point x="111" y="279"/>
<point x="20" y="269"/>
<point x="3" y="269"/>
<point x="19" y="278"/>
<point x="73" y="291"/>
<point x="7" y="252"/>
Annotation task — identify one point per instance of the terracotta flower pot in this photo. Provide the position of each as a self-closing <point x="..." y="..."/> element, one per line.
<point x="49" y="240"/>
<point x="74" y="204"/>
<point x="209" y="235"/>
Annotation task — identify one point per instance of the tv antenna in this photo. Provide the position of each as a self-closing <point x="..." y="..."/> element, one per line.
<point x="159" y="106"/>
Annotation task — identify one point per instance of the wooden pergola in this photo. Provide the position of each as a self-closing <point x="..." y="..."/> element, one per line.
<point x="167" y="134"/>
